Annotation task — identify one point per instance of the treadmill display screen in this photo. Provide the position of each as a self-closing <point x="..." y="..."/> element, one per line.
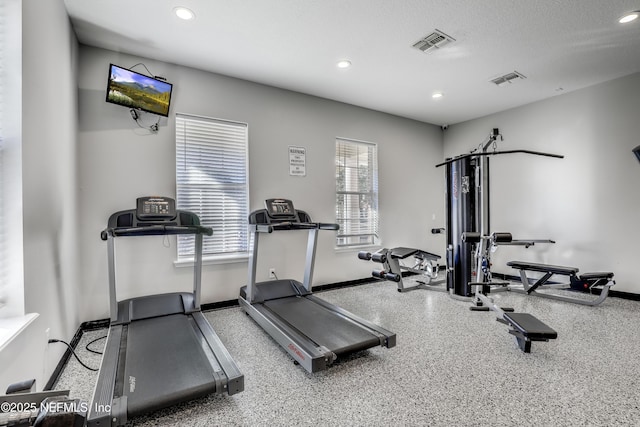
<point x="156" y="208"/>
<point x="280" y="208"/>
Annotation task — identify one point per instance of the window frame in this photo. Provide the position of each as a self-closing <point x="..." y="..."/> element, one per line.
<point x="372" y="238"/>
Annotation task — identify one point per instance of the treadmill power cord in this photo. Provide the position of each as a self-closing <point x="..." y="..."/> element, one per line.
<point x="74" y="354"/>
<point x="86" y="347"/>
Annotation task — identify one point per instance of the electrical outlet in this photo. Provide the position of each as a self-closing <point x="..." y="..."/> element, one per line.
<point x="272" y="273"/>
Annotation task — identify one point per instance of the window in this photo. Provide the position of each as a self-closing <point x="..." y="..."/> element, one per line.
<point x="212" y="181"/>
<point x="356" y="193"/>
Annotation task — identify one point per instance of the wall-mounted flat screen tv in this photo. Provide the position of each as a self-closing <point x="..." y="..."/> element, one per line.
<point x="135" y="90"/>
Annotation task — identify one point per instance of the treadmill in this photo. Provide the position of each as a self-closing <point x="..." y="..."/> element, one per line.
<point x="160" y="349"/>
<point x="314" y="332"/>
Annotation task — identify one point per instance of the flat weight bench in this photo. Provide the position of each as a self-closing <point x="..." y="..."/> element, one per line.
<point x="527" y="328"/>
<point x="586" y="282"/>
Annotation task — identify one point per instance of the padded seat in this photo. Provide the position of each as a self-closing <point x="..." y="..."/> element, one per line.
<point x="530" y="326"/>
<point x="403" y="253"/>
<point x="543" y="268"/>
<point x="597" y="275"/>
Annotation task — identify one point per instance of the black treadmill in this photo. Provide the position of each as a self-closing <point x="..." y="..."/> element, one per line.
<point x="160" y="349"/>
<point x="314" y="332"/>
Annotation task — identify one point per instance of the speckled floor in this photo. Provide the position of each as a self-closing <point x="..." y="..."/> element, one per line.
<point x="451" y="367"/>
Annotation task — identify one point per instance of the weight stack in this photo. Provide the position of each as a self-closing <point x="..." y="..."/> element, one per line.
<point x="461" y="217"/>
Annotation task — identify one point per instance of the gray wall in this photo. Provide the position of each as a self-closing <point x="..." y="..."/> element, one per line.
<point x="588" y="202"/>
<point x="120" y="161"/>
<point x="50" y="205"/>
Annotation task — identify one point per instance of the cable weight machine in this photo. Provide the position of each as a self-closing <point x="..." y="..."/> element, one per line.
<point x="468" y="211"/>
<point x="469" y="240"/>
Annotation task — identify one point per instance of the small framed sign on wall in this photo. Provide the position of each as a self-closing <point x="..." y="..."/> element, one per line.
<point x="297" y="161"/>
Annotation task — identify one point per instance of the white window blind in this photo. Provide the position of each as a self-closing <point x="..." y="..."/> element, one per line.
<point x="212" y="181"/>
<point x="356" y="193"/>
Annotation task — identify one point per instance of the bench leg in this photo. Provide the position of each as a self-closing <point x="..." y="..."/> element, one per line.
<point x="541" y="281"/>
<point x="590" y="302"/>
<point x="394" y="267"/>
<point x="530" y="289"/>
<point x="523" y="342"/>
<point x="427" y="272"/>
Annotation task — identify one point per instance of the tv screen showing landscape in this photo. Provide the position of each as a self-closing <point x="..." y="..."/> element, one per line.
<point x="135" y="90"/>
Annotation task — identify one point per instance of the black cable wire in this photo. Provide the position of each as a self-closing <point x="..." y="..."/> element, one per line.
<point x="149" y="71"/>
<point x="86" y="347"/>
<point x="135" y="115"/>
<point x="145" y="67"/>
<point x="74" y="354"/>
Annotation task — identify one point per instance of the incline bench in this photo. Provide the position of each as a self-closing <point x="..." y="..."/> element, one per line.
<point x="587" y="282"/>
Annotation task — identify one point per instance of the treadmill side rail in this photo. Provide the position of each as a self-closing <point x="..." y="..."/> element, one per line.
<point x="387" y="338"/>
<point x="101" y="412"/>
<point x="234" y="379"/>
<point x="306" y="353"/>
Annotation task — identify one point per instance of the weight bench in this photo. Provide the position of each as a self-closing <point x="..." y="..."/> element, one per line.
<point x="527" y="328"/>
<point x="586" y="282"/>
<point x="425" y="264"/>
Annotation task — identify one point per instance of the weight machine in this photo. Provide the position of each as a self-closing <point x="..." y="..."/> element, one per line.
<point x="469" y="241"/>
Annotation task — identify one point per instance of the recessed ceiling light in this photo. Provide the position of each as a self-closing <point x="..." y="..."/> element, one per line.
<point x="437" y="95"/>
<point x="628" y="17"/>
<point x="343" y="64"/>
<point x="184" y="13"/>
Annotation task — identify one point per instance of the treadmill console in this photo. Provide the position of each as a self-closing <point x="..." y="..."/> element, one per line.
<point x="282" y="213"/>
<point x="281" y="209"/>
<point x="154" y="216"/>
<point x="155" y="208"/>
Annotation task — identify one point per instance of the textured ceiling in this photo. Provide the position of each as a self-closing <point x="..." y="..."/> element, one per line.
<point x="558" y="45"/>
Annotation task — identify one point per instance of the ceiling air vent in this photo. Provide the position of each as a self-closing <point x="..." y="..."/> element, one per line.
<point x="435" y="40"/>
<point x="508" y="78"/>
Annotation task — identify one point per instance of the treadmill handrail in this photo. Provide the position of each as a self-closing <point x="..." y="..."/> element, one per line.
<point x="155" y="230"/>
<point x="260" y="228"/>
<point x="294" y="226"/>
<point x="283" y="226"/>
<point x="328" y="226"/>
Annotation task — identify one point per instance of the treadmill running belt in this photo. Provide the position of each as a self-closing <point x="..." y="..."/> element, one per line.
<point x="164" y="355"/>
<point x="322" y="325"/>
